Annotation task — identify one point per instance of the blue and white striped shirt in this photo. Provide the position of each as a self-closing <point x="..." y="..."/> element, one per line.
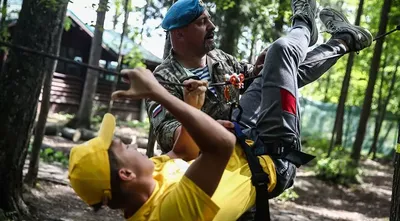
<point x="204" y="75"/>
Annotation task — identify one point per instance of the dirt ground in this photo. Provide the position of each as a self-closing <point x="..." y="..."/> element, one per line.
<point x="54" y="200"/>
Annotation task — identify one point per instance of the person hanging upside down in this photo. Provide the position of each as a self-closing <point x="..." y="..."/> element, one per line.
<point x="216" y="185"/>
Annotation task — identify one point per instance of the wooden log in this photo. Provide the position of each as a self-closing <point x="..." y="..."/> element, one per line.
<point x="71" y="134"/>
<point x="142" y="143"/>
<point x="124" y="139"/>
<point x="86" y="134"/>
<point x="52" y="129"/>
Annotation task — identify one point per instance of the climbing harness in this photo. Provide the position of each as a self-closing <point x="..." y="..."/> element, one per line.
<point x="259" y="178"/>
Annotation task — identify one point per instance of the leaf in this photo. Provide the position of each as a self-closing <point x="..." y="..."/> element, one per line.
<point x="67" y="23"/>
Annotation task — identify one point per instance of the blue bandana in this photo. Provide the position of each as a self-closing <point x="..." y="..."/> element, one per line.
<point x="182" y="13"/>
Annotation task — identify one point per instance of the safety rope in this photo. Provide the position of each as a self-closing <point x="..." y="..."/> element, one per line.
<point x="216" y="84"/>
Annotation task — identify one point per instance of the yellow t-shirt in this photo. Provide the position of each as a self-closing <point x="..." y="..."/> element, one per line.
<point x="176" y="197"/>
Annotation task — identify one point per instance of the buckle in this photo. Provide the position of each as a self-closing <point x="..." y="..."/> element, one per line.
<point x="272" y="149"/>
<point x="279" y="150"/>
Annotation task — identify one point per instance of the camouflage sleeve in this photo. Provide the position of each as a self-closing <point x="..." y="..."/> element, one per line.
<point x="163" y="121"/>
<point x="240" y="66"/>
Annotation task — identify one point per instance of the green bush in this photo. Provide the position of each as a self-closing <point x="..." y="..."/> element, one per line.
<point x="288" y="195"/>
<point x="338" y="168"/>
<point x="316" y="147"/>
<point x="135" y="124"/>
<point x="49" y="155"/>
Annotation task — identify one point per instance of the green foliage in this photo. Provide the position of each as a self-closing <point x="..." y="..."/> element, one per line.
<point x="136" y="124"/>
<point x="134" y="58"/>
<point x="67" y="23"/>
<point x="288" y="195"/>
<point x="95" y="121"/>
<point x="51" y="4"/>
<point x="99" y="110"/>
<point x="49" y="155"/>
<point x="339" y="168"/>
<point x="315" y="147"/>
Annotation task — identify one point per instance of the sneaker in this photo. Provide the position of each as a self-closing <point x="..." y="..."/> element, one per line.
<point x="306" y="10"/>
<point x="356" y="37"/>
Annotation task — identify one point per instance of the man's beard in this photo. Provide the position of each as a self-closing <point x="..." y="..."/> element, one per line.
<point x="209" y="46"/>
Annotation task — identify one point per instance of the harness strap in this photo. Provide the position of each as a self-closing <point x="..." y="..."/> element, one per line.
<point x="282" y="151"/>
<point x="259" y="178"/>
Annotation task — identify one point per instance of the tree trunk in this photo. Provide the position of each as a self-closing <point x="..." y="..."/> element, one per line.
<point x="38" y="27"/>
<point x="379" y="109"/>
<point x="3" y="14"/>
<point x="385" y="137"/>
<point x="4" y="32"/>
<point x="395" y="205"/>
<point x="254" y="37"/>
<point x="120" y="56"/>
<point x="117" y="13"/>
<point x="30" y="178"/>
<point x="82" y="118"/>
<point x="338" y="126"/>
<point x="167" y="45"/>
<point x="231" y="29"/>
<point x="382" y="113"/>
<point x="145" y="18"/>
<point x="279" y="21"/>
<point x="328" y="84"/>
<point x="366" y="109"/>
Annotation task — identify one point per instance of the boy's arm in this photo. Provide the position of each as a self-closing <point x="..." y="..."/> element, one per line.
<point x="214" y="141"/>
<point x="185" y="147"/>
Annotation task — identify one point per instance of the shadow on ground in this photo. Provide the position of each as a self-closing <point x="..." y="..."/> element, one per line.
<point x="368" y="201"/>
<point x="51" y="202"/>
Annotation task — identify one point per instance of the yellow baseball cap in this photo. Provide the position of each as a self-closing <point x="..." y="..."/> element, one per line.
<point x="89" y="166"/>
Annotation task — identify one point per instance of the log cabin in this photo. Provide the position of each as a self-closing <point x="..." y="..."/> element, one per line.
<point x="68" y="79"/>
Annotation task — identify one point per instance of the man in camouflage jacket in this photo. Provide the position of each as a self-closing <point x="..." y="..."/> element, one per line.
<point x="219" y="63"/>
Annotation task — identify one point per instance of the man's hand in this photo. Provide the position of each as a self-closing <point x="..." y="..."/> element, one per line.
<point x="259" y="65"/>
<point x="143" y="84"/>
<point x="194" y="92"/>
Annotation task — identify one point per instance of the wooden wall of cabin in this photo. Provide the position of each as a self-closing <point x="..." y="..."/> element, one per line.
<point x="66" y="93"/>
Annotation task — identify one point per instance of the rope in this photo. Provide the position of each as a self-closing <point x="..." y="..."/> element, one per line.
<point x="217" y="84"/>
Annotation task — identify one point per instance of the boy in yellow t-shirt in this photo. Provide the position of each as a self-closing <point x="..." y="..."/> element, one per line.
<point x="215" y="186"/>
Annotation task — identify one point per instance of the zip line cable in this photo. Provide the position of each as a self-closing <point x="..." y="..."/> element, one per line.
<point x="114" y="73"/>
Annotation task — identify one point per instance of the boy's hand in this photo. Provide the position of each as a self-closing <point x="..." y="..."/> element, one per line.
<point x="227" y="124"/>
<point x="143" y="84"/>
<point x="194" y="92"/>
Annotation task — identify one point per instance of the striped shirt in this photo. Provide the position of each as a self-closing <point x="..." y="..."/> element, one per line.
<point x="204" y="75"/>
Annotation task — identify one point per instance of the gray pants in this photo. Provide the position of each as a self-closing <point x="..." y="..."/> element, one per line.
<point x="271" y="106"/>
<point x="282" y="76"/>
